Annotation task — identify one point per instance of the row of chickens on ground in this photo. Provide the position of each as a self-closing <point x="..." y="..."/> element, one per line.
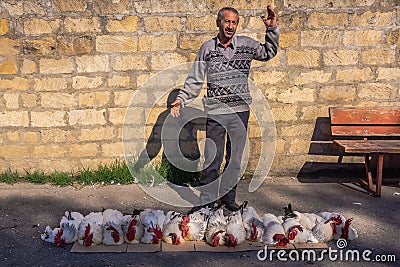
<point x="149" y="226"/>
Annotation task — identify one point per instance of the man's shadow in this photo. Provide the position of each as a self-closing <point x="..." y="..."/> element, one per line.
<point x="186" y="148"/>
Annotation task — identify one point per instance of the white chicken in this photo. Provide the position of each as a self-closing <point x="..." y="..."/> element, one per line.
<point x="252" y="223"/>
<point x="235" y="232"/>
<point x="297" y="233"/>
<point x="90" y="230"/>
<point x="274" y="233"/>
<point x="112" y="227"/>
<point x="175" y="224"/>
<point x="196" y="225"/>
<point x="343" y="230"/>
<point x="324" y="231"/>
<point x="307" y="220"/>
<point x="132" y="228"/>
<point x="67" y="233"/>
<point x="216" y="228"/>
<point x="153" y="223"/>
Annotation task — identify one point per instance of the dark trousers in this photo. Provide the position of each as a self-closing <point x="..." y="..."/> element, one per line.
<point x="214" y="184"/>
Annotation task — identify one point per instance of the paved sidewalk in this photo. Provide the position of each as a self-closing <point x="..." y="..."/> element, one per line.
<point x="26" y="209"/>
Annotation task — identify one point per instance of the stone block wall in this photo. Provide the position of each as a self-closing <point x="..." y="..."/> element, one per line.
<point x="68" y="70"/>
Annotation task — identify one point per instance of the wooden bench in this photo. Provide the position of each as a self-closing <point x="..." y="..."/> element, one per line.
<point x="367" y="131"/>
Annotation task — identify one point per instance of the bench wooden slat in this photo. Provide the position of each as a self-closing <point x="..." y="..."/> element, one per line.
<point x="381" y="116"/>
<point x="369" y="146"/>
<point x="365" y="130"/>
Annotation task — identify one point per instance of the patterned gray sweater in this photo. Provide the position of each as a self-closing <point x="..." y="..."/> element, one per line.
<point x="227" y="72"/>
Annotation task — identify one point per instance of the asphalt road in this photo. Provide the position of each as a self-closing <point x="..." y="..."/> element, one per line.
<point x="26" y="209"/>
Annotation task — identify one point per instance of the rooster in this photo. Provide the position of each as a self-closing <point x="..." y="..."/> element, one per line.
<point x="196" y="224"/>
<point x="274" y="233"/>
<point x="112" y="227"/>
<point x="307" y="220"/>
<point x="175" y="227"/>
<point x="325" y="231"/>
<point x="297" y="233"/>
<point x="216" y="228"/>
<point x="344" y="230"/>
<point x="252" y="223"/>
<point x="153" y="222"/>
<point x="67" y="233"/>
<point x="235" y="232"/>
<point x="132" y="228"/>
<point x="90" y="230"/>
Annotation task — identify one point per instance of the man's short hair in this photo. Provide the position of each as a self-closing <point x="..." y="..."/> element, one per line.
<point x="231" y="9"/>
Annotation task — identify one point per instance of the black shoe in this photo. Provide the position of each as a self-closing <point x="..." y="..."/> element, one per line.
<point x="231" y="206"/>
<point x="197" y="208"/>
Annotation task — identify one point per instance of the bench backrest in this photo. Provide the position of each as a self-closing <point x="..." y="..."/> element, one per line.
<point x="365" y="122"/>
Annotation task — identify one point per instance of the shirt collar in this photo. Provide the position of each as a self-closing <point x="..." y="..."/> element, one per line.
<point x="231" y="45"/>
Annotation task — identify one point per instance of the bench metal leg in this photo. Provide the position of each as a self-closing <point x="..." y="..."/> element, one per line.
<point x="379" y="170"/>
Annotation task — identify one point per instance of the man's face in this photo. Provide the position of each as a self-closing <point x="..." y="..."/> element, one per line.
<point x="227" y="26"/>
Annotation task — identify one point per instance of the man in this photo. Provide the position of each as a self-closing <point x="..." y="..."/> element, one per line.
<point x="225" y="61"/>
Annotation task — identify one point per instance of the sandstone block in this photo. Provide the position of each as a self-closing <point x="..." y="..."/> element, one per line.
<point x="313" y="112"/>
<point x="53" y="118"/>
<point x="203" y="23"/>
<point x="75" y="45"/>
<point x="123" y="98"/>
<point x="111" y="6"/>
<point x="4" y="26"/>
<point x="375" y="91"/>
<point x="110" y="44"/>
<point x="320" y="38"/>
<point x="50" y="151"/>
<point x="43" y="46"/>
<point x="31" y="137"/>
<point x="13" y="136"/>
<point x="11" y="100"/>
<point x="9" y="46"/>
<point x="362" y="38"/>
<point x="169" y="6"/>
<point x="127" y="24"/>
<point x="58" y="100"/>
<point x="328" y="4"/>
<point x="56" y="135"/>
<point x="91" y="25"/>
<point x="167" y="60"/>
<point x="18" y="83"/>
<point x="87" y="117"/>
<point x="299" y="146"/>
<point x="268" y="77"/>
<point x="94" y="99"/>
<point x="69" y="6"/>
<point x="158" y="43"/>
<point x="129" y="62"/>
<point x="83" y="82"/>
<point x="28" y="67"/>
<point x="14" y="118"/>
<point x="317" y="76"/>
<point x="50" y="84"/>
<point x="19" y="8"/>
<point x="8" y="66"/>
<point x="285" y="113"/>
<point x="369" y="18"/>
<point x="119" y="81"/>
<point x="162" y="24"/>
<point x="297" y="130"/>
<point x="305" y="58"/>
<point x="97" y="134"/>
<point x="29" y="100"/>
<point x="83" y="150"/>
<point x="55" y="66"/>
<point x="318" y="20"/>
<point x="296" y="94"/>
<point x="288" y="39"/>
<point x="119" y="116"/>
<point x="351" y="75"/>
<point x="41" y="26"/>
<point x="388" y="73"/>
<point x="343" y="93"/>
<point x="378" y="56"/>
<point x="340" y="57"/>
<point x="14" y="151"/>
<point x="112" y="150"/>
<point x="90" y="64"/>
<point x="192" y="41"/>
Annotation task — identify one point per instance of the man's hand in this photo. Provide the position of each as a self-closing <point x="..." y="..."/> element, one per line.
<point x="270" y="21"/>
<point x="175" y="108"/>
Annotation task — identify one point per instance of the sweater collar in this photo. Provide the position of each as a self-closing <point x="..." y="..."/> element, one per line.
<point x="231" y="45"/>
